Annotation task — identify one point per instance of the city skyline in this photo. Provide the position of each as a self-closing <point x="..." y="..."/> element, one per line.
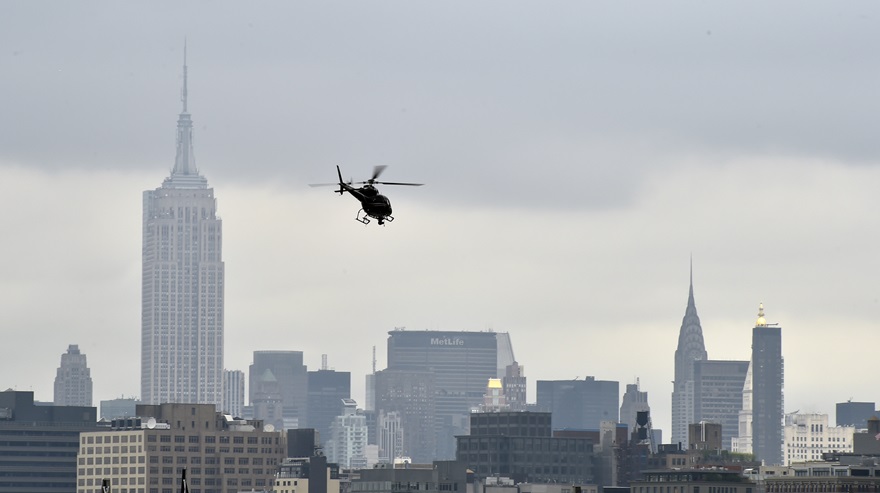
<point x="574" y="160"/>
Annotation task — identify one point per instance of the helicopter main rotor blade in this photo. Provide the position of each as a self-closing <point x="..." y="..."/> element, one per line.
<point x="377" y="170"/>
<point x="323" y="184"/>
<point x="398" y="183"/>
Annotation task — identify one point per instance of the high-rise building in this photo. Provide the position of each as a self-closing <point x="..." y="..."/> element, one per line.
<point x="411" y="394"/>
<point x="347" y="442"/>
<point x="73" y="381"/>
<point x="514" y="385"/>
<point x="462" y="362"/>
<point x="390" y="436"/>
<point x="579" y="404"/>
<point x="233" y="393"/>
<point x="808" y="436"/>
<point x="327" y="391"/>
<point x="767" y="385"/>
<point x="38" y="444"/>
<point x="634" y="401"/>
<point x="718" y="395"/>
<point x="691" y="347"/>
<point x="182" y="283"/>
<point x="278" y="381"/>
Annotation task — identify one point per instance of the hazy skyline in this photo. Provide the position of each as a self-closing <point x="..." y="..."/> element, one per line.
<point x="575" y="155"/>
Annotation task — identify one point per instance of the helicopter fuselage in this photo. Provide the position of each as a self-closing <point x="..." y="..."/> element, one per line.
<point x="372" y="202"/>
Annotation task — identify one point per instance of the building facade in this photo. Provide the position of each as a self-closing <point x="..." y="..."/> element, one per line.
<point x="347" y="443"/>
<point x="461" y="362"/>
<point x="73" y="380"/>
<point x="691" y="348"/>
<point x="520" y="445"/>
<point x="182" y="293"/>
<point x="855" y="414"/>
<point x="579" y="404"/>
<point x="436" y="477"/>
<point x="514" y="386"/>
<point x="718" y="395"/>
<point x="278" y="388"/>
<point x="808" y="436"/>
<point x="220" y="454"/>
<point x="410" y="394"/>
<point x="233" y="393"/>
<point x="326" y="391"/>
<point x="767" y="386"/>
<point x="123" y="407"/>
<point x="38" y="444"/>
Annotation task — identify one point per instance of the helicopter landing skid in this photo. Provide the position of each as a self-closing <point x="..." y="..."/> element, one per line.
<point x="365" y="219"/>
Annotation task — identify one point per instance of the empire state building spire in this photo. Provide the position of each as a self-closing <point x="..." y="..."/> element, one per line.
<point x="185" y="174"/>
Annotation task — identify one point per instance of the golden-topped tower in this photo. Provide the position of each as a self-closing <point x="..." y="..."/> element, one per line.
<point x="761" y="322"/>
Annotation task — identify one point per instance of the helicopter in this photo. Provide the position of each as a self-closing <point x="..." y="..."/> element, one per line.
<point x="373" y="204"/>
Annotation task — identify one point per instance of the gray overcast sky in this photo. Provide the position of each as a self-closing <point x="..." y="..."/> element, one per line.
<point x="575" y="154"/>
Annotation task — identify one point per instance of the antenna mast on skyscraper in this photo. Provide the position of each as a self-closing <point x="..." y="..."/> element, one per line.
<point x="183" y="92"/>
<point x="324" y="362"/>
<point x="374" y="360"/>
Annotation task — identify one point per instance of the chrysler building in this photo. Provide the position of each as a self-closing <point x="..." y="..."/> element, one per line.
<point x="182" y="284"/>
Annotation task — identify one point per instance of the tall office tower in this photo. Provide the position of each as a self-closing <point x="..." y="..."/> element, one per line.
<point x="182" y="284"/>
<point x="411" y="394"/>
<point x="718" y="395"/>
<point x="279" y="380"/>
<point x="73" y="381"/>
<point x="855" y="414"/>
<point x="462" y="363"/>
<point x="690" y="348"/>
<point x="390" y="431"/>
<point x="579" y="404"/>
<point x="767" y="385"/>
<point x="514" y="385"/>
<point x="634" y="401"/>
<point x="347" y="443"/>
<point x="808" y="436"/>
<point x="327" y="391"/>
<point x="233" y="393"/>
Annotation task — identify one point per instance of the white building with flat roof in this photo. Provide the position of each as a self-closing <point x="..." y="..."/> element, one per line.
<point x="807" y="436"/>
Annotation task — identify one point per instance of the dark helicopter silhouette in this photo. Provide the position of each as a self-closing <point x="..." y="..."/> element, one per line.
<point x="373" y="204"/>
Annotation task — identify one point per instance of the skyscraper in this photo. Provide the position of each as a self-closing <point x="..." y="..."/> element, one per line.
<point x="182" y="283"/>
<point x="233" y="393"/>
<point x="690" y="348"/>
<point x="411" y="394"/>
<point x="767" y="380"/>
<point x="73" y="381"/>
<point x="718" y="395"/>
<point x="327" y="391"/>
<point x="278" y="382"/>
<point x="579" y="404"/>
<point x="462" y="362"/>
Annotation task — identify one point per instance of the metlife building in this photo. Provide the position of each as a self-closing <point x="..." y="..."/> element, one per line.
<point x="462" y="364"/>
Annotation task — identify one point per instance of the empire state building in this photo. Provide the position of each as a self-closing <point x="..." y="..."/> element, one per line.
<point x="182" y="283"/>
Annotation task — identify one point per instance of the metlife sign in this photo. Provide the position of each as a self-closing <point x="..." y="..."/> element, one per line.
<point x="441" y="340"/>
<point x="447" y="341"/>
